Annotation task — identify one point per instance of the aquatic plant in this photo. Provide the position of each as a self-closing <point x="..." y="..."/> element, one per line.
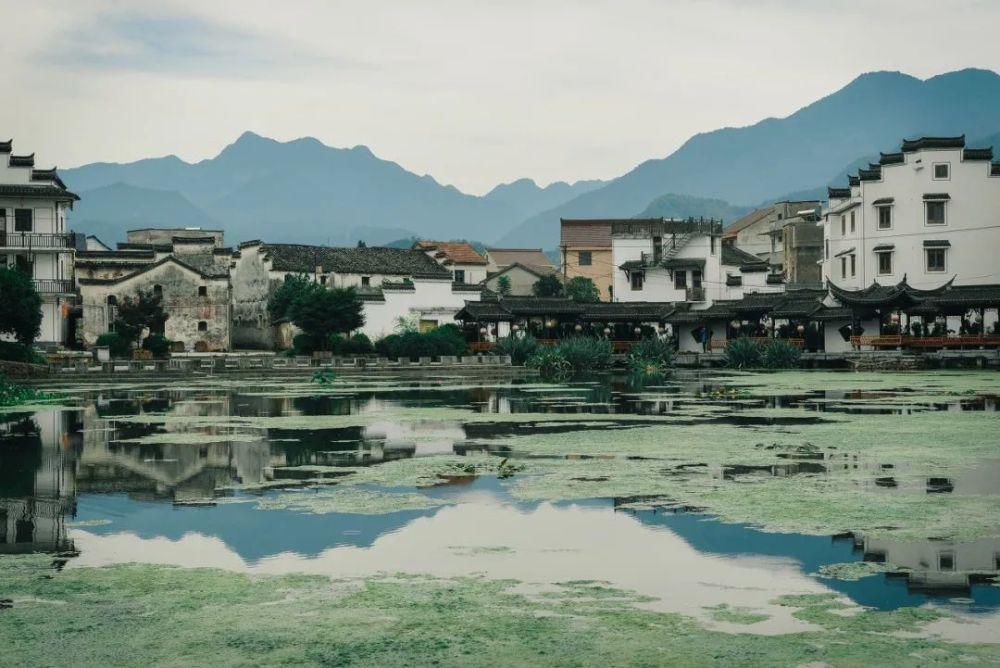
<point x="324" y="377"/>
<point x="12" y="394"/>
<point x="586" y="353"/>
<point x="550" y="362"/>
<point x="18" y="352"/>
<point x="743" y="353"/>
<point x="780" y="354"/>
<point x="519" y="348"/>
<point x="653" y="349"/>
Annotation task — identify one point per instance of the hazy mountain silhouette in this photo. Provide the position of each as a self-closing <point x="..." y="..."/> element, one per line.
<point x="526" y="197"/>
<point x="686" y="206"/>
<point x="751" y="164"/>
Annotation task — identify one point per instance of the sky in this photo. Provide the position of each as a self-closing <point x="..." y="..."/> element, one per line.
<point x="473" y="92"/>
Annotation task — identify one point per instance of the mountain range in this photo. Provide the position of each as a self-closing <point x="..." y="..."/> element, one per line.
<point x="305" y="191"/>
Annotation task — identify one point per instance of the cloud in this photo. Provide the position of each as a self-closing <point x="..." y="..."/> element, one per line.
<point x="180" y="45"/>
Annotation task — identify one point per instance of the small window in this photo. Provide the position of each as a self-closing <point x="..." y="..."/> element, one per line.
<point x="826" y="249"/>
<point x="942" y="171"/>
<point x="680" y="280"/>
<point x="158" y="290"/>
<point x="637" y="279"/>
<point x="112" y="300"/>
<point x="202" y="291"/>
<point x="854" y="265"/>
<point x="712" y="247"/>
<point x="202" y="326"/>
<point x="935" y="213"/>
<point x="322" y="280"/>
<point x="884" y="217"/>
<point x="460" y="276"/>
<point x="585" y="258"/>
<point x="946" y="561"/>
<point x="852" y="222"/>
<point x="696" y="278"/>
<point x="884" y="262"/>
<point x="843" y="267"/>
<point x="935" y="259"/>
<point x="366" y="281"/>
<point x="23" y="220"/>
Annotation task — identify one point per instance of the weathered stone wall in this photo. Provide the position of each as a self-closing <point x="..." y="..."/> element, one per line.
<point x="253" y="283"/>
<point x="198" y="321"/>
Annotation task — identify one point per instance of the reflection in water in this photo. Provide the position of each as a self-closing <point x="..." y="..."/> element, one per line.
<point x="158" y="488"/>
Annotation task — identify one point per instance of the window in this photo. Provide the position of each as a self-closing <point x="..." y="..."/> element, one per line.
<point x="843" y="267"/>
<point x="884" y="262"/>
<point x="935" y="213"/>
<point x="23" y="220"/>
<point x="680" y="280"/>
<point x="637" y="278"/>
<point x="696" y="278"/>
<point x="202" y="291"/>
<point x="826" y="249"/>
<point x="24" y="265"/>
<point x="854" y="265"/>
<point x="322" y="280"/>
<point x="843" y="225"/>
<point x="112" y="300"/>
<point x="884" y="217"/>
<point x="852" y="222"/>
<point x="935" y="259"/>
<point x="585" y="258"/>
<point x="946" y="561"/>
<point x="158" y="290"/>
<point x="942" y="171"/>
<point x="657" y="249"/>
<point x="713" y="245"/>
<point x="366" y="281"/>
<point x="460" y="276"/>
<point x="202" y="326"/>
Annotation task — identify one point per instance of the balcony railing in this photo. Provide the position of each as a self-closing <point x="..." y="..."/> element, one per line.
<point x="695" y="294"/>
<point x="53" y="286"/>
<point x="40" y="240"/>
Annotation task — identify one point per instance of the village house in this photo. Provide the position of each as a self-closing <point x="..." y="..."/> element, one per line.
<point x="800" y="244"/>
<point x="187" y="267"/>
<point x="522" y="267"/>
<point x="585" y="248"/>
<point x="761" y="232"/>
<point x="466" y="265"/>
<point x="394" y="283"/>
<point x="35" y="238"/>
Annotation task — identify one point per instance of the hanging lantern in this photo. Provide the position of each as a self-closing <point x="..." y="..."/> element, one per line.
<point x="514" y="328"/>
<point x="550" y="323"/>
<point x="894" y="317"/>
<point x="736" y="324"/>
<point x="607" y="331"/>
<point x="638" y="330"/>
<point x="578" y="328"/>
<point x="801" y="328"/>
<point x="483" y="330"/>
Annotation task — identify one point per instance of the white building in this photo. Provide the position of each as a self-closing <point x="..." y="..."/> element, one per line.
<point x="929" y="212"/>
<point x="34" y="236"/>
<point x="394" y="283"/>
<point x="683" y="261"/>
<point x="466" y="265"/>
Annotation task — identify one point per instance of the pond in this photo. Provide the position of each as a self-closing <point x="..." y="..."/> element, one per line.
<point x="708" y="517"/>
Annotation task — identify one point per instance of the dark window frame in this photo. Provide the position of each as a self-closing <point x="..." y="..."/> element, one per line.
<point x="584" y="258"/>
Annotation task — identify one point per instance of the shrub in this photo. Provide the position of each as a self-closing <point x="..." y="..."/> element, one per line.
<point x="778" y="354"/>
<point x="304" y="344"/>
<point x="652" y="349"/>
<point x="586" y="353"/>
<point x="519" y="348"/>
<point x="120" y="346"/>
<point x="18" y="352"/>
<point x="157" y="344"/>
<point x="359" y="344"/>
<point x="548" y="286"/>
<point x="582" y="289"/>
<point x="445" y="340"/>
<point x="12" y="394"/>
<point x="743" y="353"/>
<point x="549" y="361"/>
<point x="20" y="306"/>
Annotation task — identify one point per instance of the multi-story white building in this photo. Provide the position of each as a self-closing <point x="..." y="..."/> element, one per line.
<point x="35" y="238"/>
<point x="466" y="265"/>
<point x="929" y="212"/>
<point x="683" y="261"/>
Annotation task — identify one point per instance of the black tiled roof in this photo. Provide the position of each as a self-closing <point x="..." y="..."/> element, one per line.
<point x="775" y="279"/>
<point x="883" y="200"/>
<point x="626" y="311"/>
<point x="6" y="146"/>
<point x="873" y="174"/>
<point x="22" y="160"/>
<point x="978" y="153"/>
<point x="876" y="295"/>
<point x="891" y="158"/>
<point x="910" y="145"/>
<point x="301" y="258"/>
<point x="970" y="296"/>
<point x="49" y="175"/>
<point x="759" y="302"/>
<point x="838" y="193"/>
<point x="733" y="281"/>
<point x="42" y="192"/>
<point x="833" y="313"/>
<point x="936" y="196"/>
<point x="733" y="256"/>
<point x="995" y="169"/>
<point x="853" y="181"/>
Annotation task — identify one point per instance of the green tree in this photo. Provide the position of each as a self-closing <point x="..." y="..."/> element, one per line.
<point x="136" y="313"/>
<point x="281" y="299"/>
<point x="503" y="285"/>
<point x="319" y="312"/>
<point x="20" y="306"/>
<point x="548" y="286"/>
<point x="582" y="289"/>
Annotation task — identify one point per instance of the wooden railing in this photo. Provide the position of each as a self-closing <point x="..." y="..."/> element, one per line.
<point x="720" y="344"/>
<point x="899" y="341"/>
<point x="50" y="286"/>
<point x="486" y="346"/>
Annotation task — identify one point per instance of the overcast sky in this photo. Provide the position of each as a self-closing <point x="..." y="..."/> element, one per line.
<point x="473" y="93"/>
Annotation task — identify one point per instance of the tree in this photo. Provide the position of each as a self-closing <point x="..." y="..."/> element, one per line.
<point x="503" y="285"/>
<point x="582" y="289"/>
<point x="548" y="286"/>
<point x="140" y="312"/>
<point x="319" y="312"/>
<point x="290" y="289"/>
<point x="20" y="306"/>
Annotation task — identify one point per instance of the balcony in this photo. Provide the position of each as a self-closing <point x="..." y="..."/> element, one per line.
<point x="694" y="294"/>
<point x="36" y="241"/>
<point x="54" y="286"/>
